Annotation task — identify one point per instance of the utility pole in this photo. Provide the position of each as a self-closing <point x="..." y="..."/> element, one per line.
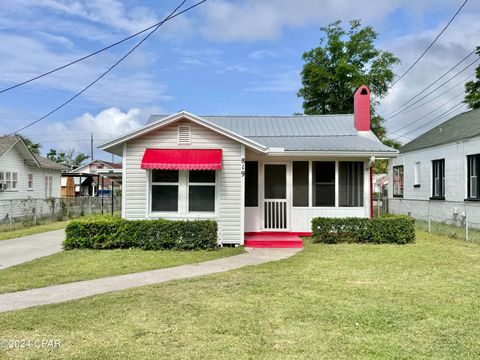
<point x="91" y="147"/>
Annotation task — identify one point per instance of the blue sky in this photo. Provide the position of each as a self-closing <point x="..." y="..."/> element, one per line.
<point x="226" y="57"/>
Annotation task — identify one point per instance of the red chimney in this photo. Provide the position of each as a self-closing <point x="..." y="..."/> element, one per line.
<point x="361" y="108"/>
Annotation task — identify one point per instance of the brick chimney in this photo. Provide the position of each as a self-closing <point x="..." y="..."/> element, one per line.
<point x="361" y="108"/>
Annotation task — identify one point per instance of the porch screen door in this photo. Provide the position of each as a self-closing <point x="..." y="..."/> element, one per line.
<point x="275" y="197"/>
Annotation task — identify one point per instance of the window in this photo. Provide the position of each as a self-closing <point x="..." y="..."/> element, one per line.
<point x="165" y="190"/>
<point x="473" y="172"/>
<point x="323" y="186"/>
<point x="351" y="183"/>
<point x="300" y="183"/>
<point x="398" y="181"/>
<point x="30" y="182"/>
<point x="438" y="179"/>
<point x="417" y="176"/>
<point x="14" y="180"/>
<point x="8" y="180"/>
<point x="201" y="190"/>
<point x="251" y="183"/>
<point x="48" y="186"/>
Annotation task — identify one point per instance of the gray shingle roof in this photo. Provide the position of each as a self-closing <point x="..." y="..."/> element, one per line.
<point x="298" y="132"/>
<point x="6" y="142"/>
<point x="460" y="127"/>
<point x="49" y="164"/>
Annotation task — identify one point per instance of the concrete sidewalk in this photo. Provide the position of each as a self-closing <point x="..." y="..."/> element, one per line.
<point x="77" y="290"/>
<point x="26" y="248"/>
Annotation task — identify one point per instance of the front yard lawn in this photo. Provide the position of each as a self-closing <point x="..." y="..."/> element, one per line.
<point x="76" y="265"/>
<point x="36" y="229"/>
<point x="347" y="301"/>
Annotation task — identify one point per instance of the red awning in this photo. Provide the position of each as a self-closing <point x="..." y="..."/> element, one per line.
<point x="182" y="159"/>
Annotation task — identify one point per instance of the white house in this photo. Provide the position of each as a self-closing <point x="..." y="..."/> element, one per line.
<point x="436" y="174"/>
<point x="24" y="175"/>
<point x="95" y="185"/>
<point x="255" y="175"/>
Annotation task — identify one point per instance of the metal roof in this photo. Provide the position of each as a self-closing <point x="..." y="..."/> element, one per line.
<point x="460" y="127"/>
<point x="324" y="143"/>
<point x="298" y="132"/>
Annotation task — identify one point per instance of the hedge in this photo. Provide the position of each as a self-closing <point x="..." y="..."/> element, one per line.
<point x="109" y="232"/>
<point x="397" y="229"/>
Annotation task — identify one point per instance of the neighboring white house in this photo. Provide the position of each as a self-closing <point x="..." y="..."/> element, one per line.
<point x="96" y="185"/>
<point x="24" y="175"/>
<point x="250" y="173"/>
<point x="437" y="173"/>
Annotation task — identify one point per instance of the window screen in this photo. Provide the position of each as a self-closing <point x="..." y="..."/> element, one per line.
<point x="251" y="183"/>
<point x="351" y="183"/>
<point x="323" y="186"/>
<point x="300" y="183"/>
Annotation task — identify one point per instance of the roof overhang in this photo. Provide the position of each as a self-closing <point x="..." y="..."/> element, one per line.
<point x="115" y="146"/>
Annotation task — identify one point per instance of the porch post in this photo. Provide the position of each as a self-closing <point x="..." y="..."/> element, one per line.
<point x="242" y="194"/>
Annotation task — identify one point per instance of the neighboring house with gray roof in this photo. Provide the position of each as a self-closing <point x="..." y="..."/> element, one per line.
<point x="436" y="174"/>
<point x="252" y="174"/>
<point x="24" y="175"/>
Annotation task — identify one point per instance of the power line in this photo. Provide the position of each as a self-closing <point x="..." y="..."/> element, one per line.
<point x="168" y="18"/>
<point x="431" y="92"/>
<point x="461" y="82"/>
<point x="429" y="113"/>
<point x="431" y="121"/>
<point x="104" y="73"/>
<point x="429" y="46"/>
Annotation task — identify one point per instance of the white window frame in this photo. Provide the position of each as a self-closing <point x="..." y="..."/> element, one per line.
<point x="417" y="174"/>
<point x="30" y="181"/>
<point x="214" y="184"/>
<point x="183" y="185"/>
<point x="8" y="180"/>
<point x="48" y="185"/>
<point x="397" y="191"/>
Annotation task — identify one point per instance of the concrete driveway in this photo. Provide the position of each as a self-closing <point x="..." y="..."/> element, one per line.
<point x="27" y="248"/>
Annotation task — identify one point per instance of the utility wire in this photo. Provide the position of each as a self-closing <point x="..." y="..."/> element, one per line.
<point x="461" y="82"/>
<point x="431" y="92"/>
<point x="429" y="113"/>
<point x="431" y="121"/>
<point x="429" y="46"/>
<point x="433" y="83"/>
<point x="168" y="18"/>
<point x="104" y="73"/>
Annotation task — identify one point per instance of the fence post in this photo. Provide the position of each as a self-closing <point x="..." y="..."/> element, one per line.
<point x="429" y="221"/>
<point x="466" y="221"/>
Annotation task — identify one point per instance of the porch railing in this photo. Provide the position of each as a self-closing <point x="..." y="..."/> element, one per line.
<point x="275" y="214"/>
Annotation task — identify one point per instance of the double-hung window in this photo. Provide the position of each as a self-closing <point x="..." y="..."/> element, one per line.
<point x="48" y="186"/>
<point x="323" y="183"/>
<point x="438" y="179"/>
<point x="165" y="190"/>
<point x="201" y="190"/>
<point x="398" y="181"/>
<point x="473" y="162"/>
<point x="30" y="182"/>
<point x="183" y="192"/>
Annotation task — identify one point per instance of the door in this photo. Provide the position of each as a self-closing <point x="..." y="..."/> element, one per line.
<point x="275" y="216"/>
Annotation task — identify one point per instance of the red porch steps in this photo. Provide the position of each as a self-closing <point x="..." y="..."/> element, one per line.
<point x="274" y="239"/>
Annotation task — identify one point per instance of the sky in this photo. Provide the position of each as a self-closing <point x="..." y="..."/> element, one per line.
<point x="237" y="57"/>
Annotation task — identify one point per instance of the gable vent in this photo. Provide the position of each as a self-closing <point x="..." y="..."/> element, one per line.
<point x="184" y="134"/>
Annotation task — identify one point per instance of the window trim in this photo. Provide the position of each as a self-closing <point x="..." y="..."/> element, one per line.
<point x="171" y="183"/>
<point x="30" y="181"/>
<point x="469" y="196"/>
<point x="393" y="181"/>
<point x="417" y="174"/>
<point x="315" y="183"/>
<point x="187" y="200"/>
<point x="442" y="181"/>
<point x="183" y="198"/>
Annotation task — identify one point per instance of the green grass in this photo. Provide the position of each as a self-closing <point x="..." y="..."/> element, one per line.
<point x="10" y="234"/>
<point x="452" y="231"/>
<point x="348" y="301"/>
<point x="76" y="265"/>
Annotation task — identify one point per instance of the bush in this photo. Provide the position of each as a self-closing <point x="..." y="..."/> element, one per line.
<point x="397" y="229"/>
<point x="109" y="232"/>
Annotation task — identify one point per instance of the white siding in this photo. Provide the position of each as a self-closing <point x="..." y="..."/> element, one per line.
<point x="229" y="205"/>
<point x="13" y="161"/>
<point x="416" y="199"/>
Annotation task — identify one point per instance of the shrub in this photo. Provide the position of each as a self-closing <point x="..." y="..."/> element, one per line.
<point x="109" y="232"/>
<point x="398" y="229"/>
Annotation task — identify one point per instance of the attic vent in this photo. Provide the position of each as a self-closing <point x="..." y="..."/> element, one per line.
<point x="184" y="134"/>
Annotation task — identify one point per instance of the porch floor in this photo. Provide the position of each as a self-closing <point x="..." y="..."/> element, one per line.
<point x="273" y="240"/>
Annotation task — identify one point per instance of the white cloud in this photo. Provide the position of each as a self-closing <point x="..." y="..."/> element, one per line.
<point x="75" y="134"/>
<point x="286" y="81"/>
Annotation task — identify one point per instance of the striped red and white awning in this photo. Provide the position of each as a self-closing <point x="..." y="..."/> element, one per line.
<point x="182" y="159"/>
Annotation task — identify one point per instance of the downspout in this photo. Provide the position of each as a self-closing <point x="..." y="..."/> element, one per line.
<point x="371" y="162"/>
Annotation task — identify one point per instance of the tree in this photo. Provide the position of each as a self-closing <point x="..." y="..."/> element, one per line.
<point x="33" y="147"/>
<point x="345" y="60"/>
<point x="67" y="158"/>
<point x="472" y="88"/>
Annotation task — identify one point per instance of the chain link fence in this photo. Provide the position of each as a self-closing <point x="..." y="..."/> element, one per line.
<point x="28" y="212"/>
<point x="451" y="218"/>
